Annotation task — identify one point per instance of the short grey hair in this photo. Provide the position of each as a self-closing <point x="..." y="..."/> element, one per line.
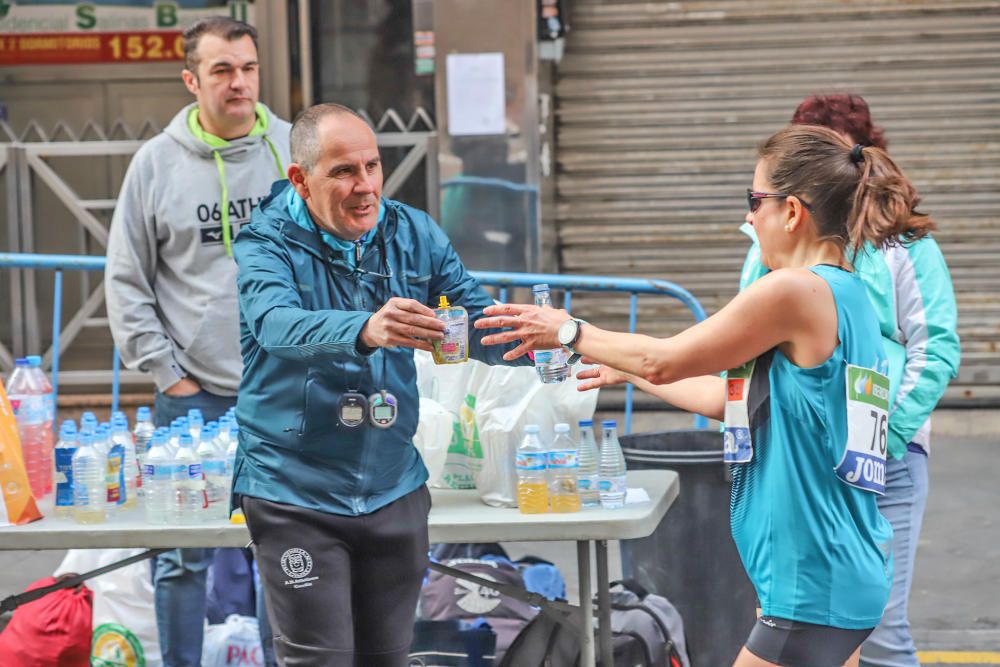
<point x="304" y="139"/>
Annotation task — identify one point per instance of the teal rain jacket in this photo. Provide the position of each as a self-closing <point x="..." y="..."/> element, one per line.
<point x="300" y="316"/>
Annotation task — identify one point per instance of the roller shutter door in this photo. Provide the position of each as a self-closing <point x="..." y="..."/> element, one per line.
<point x="660" y="106"/>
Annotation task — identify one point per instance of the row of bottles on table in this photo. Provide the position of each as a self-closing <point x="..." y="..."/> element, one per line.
<point x="179" y="475"/>
<point x="33" y="401"/>
<point x="564" y="476"/>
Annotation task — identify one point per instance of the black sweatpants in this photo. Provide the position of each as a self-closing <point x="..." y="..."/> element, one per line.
<point x="341" y="590"/>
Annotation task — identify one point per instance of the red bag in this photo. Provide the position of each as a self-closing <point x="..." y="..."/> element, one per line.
<point x="54" y="630"/>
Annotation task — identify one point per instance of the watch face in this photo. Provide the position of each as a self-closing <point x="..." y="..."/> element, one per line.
<point x="567" y="332"/>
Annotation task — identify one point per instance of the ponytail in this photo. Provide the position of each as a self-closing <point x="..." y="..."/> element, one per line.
<point x="883" y="209"/>
<point x="857" y="194"/>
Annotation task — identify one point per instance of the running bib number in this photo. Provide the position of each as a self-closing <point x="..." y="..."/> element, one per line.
<point x="737" y="446"/>
<point x="863" y="464"/>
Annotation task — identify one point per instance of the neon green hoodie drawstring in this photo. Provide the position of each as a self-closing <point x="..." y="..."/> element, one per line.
<point x="216" y="143"/>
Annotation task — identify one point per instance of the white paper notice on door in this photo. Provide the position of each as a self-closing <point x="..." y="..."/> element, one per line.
<point x="476" y="96"/>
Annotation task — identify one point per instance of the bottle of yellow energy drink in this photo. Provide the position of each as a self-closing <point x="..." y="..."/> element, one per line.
<point x="532" y="483"/>
<point x="454" y="349"/>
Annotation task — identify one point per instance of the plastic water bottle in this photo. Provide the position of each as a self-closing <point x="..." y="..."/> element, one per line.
<point x="69" y="443"/>
<point x="88" y="422"/>
<point x="188" y="484"/>
<point x="157" y="480"/>
<point x="231" y="447"/>
<point x="114" y="454"/>
<point x="195" y="421"/>
<point x="532" y="482"/>
<point x="563" y="469"/>
<point x="89" y="486"/>
<point x="177" y="428"/>
<point x="130" y="472"/>
<point x="31" y="398"/>
<point x="143" y="431"/>
<point x="613" y="484"/>
<point x="550" y="364"/>
<point x="213" y="466"/>
<point x="588" y="477"/>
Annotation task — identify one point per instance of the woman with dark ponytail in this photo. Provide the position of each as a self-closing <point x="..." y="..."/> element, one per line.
<point x="910" y="288"/>
<point x="806" y="398"/>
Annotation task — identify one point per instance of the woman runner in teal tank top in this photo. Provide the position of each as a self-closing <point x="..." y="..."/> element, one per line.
<point x="805" y="401"/>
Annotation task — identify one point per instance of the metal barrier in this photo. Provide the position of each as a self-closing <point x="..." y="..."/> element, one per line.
<point x="503" y="281"/>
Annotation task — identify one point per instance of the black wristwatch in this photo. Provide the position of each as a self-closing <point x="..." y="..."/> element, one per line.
<point x="568" y="335"/>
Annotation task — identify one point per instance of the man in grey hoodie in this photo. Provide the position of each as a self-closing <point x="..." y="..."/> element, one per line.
<point x="170" y="282"/>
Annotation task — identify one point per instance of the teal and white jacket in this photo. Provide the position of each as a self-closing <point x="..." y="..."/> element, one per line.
<point x="910" y="289"/>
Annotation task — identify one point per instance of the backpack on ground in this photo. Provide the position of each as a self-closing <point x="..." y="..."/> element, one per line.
<point x="444" y="598"/>
<point x="652" y="619"/>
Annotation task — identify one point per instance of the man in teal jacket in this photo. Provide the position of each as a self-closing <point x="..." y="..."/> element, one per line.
<point x="333" y="282"/>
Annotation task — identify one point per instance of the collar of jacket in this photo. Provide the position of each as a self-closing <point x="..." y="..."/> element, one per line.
<point x="275" y="207"/>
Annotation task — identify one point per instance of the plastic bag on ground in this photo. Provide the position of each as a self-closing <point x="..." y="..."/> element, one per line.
<point x="235" y="643"/>
<point x="124" y="619"/>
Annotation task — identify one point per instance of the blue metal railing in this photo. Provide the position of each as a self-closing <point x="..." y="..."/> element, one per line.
<point x="503" y="281"/>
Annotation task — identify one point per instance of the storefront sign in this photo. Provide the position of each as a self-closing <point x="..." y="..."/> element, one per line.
<point x="35" y="32"/>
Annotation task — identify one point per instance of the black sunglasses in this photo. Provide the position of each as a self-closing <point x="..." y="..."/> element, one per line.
<point x="755" y="199"/>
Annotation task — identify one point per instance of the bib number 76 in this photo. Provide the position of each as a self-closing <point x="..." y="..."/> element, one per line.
<point x="863" y="463"/>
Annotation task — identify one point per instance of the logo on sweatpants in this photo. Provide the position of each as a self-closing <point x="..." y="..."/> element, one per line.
<point x="297" y="564"/>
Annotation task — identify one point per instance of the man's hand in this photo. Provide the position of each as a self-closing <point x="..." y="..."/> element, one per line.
<point x="182" y="388"/>
<point x="403" y="323"/>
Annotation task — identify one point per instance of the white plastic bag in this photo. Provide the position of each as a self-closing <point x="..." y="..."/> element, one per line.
<point x="507" y="400"/>
<point x="124" y="618"/>
<point x="452" y="386"/>
<point x="489" y="407"/>
<point x="235" y="643"/>
<point x="433" y="437"/>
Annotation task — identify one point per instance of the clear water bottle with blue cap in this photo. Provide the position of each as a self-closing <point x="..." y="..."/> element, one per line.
<point x="157" y="480"/>
<point x="89" y="486"/>
<point x="589" y="476"/>
<point x="69" y="442"/>
<point x="612" y="483"/>
<point x="551" y="365"/>
<point x="189" y="484"/>
<point x="213" y="466"/>
<point x="143" y="431"/>
<point x="195" y="421"/>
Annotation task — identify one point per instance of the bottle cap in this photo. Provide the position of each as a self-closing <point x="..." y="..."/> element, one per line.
<point x="532" y="428"/>
<point x="586" y="423"/>
<point x="34" y="360"/>
<point x="443" y="302"/>
<point x="159" y="438"/>
<point x="540" y="287"/>
<point x="67" y="431"/>
<point x="195" y="413"/>
<point x="86" y="438"/>
<point x="186" y="440"/>
<point x="20" y="361"/>
<point x="143" y="414"/>
<point x="562" y="428"/>
<point x="609" y="423"/>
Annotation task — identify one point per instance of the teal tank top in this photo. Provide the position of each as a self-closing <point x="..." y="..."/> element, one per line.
<point x="816" y="549"/>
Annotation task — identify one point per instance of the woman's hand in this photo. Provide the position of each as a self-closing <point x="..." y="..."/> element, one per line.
<point x="535" y="327"/>
<point x="600" y="376"/>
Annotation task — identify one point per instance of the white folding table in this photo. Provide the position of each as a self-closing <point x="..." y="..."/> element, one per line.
<point x="456" y="516"/>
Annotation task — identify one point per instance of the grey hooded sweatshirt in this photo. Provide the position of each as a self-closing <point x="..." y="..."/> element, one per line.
<point x="170" y="281"/>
